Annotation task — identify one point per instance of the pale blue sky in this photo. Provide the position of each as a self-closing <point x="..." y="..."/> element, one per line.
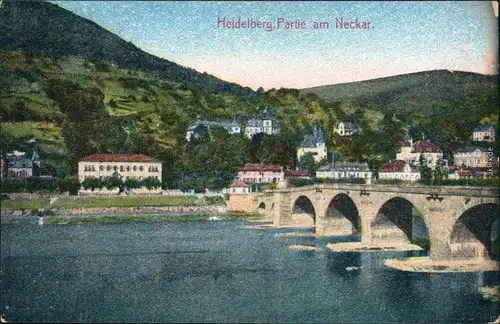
<point x="406" y="37"/>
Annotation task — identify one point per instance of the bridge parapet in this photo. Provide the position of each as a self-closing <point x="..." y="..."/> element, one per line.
<point x="410" y="189"/>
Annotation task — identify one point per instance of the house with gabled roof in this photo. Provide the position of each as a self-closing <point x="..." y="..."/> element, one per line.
<point x="484" y="133"/>
<point x="346" y="128"/>
<point x="399" y="170"/>
<point x="313" y="143"/>
<point x="265" y="123"/>
<point x="410" y="152"/>
<point x="200" y="127"/>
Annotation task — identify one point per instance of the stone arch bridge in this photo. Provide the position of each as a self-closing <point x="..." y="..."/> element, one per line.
<point x="458" y="219"/>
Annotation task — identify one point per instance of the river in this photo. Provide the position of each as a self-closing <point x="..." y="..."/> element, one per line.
<point x="216" y="271"/>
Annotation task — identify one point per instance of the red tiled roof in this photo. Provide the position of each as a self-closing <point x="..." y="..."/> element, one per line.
<point x="239" y="184"/>
<point x="296" y="173"/>
<point x="118" y="158"/>
<point x="397" y="166"/>
<point x="260" y="167"/>
<point x="425" y="146"/>
<point x="406" y="143"/>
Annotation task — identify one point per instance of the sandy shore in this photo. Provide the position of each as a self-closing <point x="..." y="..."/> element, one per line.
<point x="426" y="264"/>
<point x="374" y="247"/>
<point x="303" y="248"/>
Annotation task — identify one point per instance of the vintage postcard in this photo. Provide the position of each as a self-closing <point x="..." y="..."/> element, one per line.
<point x="249" y="161"/>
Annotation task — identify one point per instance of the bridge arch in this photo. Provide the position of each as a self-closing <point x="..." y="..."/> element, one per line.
<point x="303" y="211"/>
<point x="342" y="216"/>
<point x="398" y="220"/>
<point x="474" y="234"/>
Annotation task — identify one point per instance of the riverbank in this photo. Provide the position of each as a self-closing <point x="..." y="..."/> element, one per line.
<point x="134" y="218"/>
<point x="426" y="264"/>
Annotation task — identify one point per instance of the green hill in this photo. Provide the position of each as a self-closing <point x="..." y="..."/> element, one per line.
<point x="407" y="92"/>
<point x="44" y="29"/>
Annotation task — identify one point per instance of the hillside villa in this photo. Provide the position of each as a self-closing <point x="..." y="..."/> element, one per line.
<point x="313" y="143"/>
<point x="265" y="123"/>
<point x="399" y="170"/>
<point x="484" y="133"/>
<point x="410" y="152"/>
<point x="345" y="128"/>
<point x="21" y="165"/>
<point x="200" y="128"/>
<point x="123" y="166"/>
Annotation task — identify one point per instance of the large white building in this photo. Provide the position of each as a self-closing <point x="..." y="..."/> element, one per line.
<point x="344" y="170"/>
<point x="266" y="123"/>
<point x="313" y="143"/>
<point x="410" y="152"/>
<point x="472" y="156"/>
<point x="124" y="166"/>
<point x="399" y="170"/>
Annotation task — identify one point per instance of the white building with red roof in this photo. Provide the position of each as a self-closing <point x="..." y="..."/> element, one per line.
<point x="125" y="166"/>
<point x="410" y="152"/>
<point x="261" y="173"/>
<point x="399" y="170"/>
<point x="239" y="187"/>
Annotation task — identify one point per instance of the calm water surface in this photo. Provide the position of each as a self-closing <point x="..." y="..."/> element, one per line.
<point x="216" y="271"/>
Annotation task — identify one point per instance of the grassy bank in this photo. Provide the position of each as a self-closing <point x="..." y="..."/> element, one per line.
<point x="28" y="204"/>
<point x="100" y="201"/>
<point x="145" y="218"/>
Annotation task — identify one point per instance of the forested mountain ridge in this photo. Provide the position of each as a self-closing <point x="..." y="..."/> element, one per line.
<point x="408" y="92"/>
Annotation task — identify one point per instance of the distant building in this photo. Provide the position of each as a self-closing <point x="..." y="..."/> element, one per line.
<point x="484" y="133"/>
<point x="399" y="170"/>
<point x="20" y="165"/>
<point x="124" y="166"/>
<point x="472" y="156"/>
<point x="344" y="170"/>
<point x="313" y="143"/>
<point x="261" y="173"/>
<point x="266" y="123"/>
<point x="200" y="128"/>
<point x="297" y="174"/>
<point x="239" y="187"/>
<point x="346" y="128"/>
<point x="410" y="152"/>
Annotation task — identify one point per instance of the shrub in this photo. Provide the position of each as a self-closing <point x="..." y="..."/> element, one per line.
<point x="91" y="183"/>
<point x="70" y="184"/>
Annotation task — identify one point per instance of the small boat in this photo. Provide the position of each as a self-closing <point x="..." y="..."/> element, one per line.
<point x="353" y="268"/>
<point x="214" y="218"/>
<point x="2" y="320"/>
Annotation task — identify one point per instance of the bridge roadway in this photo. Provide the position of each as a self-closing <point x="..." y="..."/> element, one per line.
<point x="458" y="219"/>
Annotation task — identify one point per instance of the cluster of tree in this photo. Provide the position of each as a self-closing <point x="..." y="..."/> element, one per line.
<point x="93" y="183"/>
<point x="41" y="185"/>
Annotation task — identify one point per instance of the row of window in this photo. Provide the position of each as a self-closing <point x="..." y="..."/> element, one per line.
<point x="121" y="168"/>
<point x="259" y="180"/>
<point x="124" y="178"/>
